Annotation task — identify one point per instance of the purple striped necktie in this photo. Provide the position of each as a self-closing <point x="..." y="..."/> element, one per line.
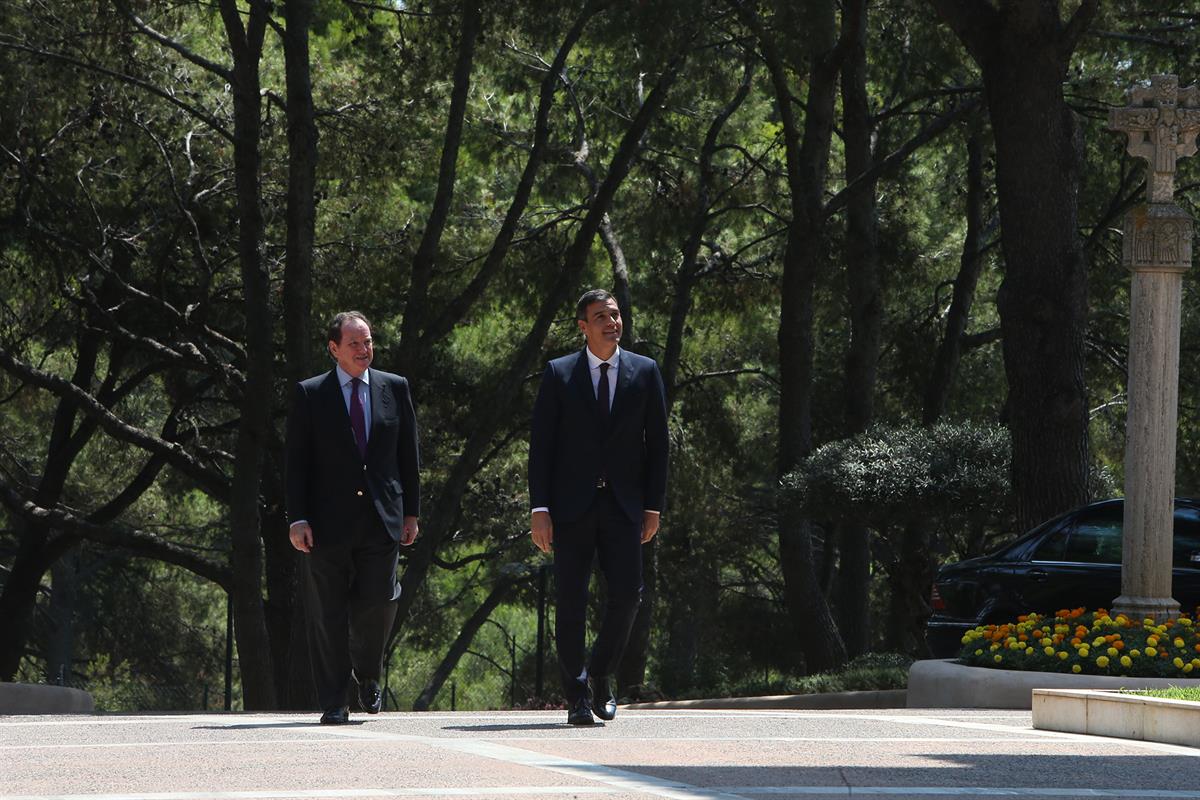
<point x="358" y="422"/>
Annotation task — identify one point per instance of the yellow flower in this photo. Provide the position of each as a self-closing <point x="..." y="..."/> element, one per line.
<point x="978" y="652"/>
<point x="1099" y="640"/>
<point x="1126" y="661"/>
<point x="997" y="658"/>
<point x="1112" y="652"/>
<point x="1062" y="655"/>
<point x="1178" y="642"/>
<point x="1084" y="651"/>
<point x="1076" y="668"/>
<point x="1028" y="651"/>
<point x="1178" y="662"/>
<point x="1152" y="641"/>
<point x="1150" y="651"/>
<point x="1048" y="650"/>
<point x="1102" y="661"/>
<point x="1135" y="653"/>
<point x="1187" y="668"/>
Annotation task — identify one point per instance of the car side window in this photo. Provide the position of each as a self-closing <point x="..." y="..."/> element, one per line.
<point x="1187" y="538"/>
<point x="1053" y="546"/>
<point x="1095" y="537"/>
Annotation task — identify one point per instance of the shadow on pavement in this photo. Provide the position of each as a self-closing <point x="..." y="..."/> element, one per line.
<point x="540" y="726"/>
<point x="262" y="725"/>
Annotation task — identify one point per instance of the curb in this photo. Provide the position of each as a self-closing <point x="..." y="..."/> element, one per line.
<point x="35" y="698"/>
<point x="944" y="683"/>
<point x="1148" y="719"/>
<point x="888" y="698"/>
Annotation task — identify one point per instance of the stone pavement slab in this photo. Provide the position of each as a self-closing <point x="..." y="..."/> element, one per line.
<point x="683" y="755"/>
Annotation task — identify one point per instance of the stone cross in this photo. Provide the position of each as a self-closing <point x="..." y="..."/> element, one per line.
<point x="1161" y="121"/>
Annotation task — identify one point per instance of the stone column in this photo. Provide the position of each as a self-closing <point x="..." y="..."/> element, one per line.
<point x="1161" y="123"/>
<point x="1152" y="419"/>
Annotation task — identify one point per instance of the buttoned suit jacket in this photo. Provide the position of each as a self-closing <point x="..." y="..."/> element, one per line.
<point x="570" y="447"/>
<point x="325" y="473"/>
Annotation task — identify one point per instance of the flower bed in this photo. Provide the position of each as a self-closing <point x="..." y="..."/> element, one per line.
<point x="1088" y="643"/>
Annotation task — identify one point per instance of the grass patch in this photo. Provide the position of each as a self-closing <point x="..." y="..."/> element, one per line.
<point x="1171" y="693"/>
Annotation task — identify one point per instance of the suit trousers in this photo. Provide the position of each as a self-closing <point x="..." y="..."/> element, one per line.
<point x="350" y="603"/>
<point x="605" y="535"/>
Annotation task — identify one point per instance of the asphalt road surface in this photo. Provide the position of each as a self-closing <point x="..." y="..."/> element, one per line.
<point x="684" y="755"/>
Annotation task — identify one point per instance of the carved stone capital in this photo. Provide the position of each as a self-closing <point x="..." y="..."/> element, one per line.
<point x="1158" y="238"/>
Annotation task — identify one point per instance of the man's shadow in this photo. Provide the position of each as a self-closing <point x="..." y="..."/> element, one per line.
<point x="533" y="726"/>
<point x="265" y="725"/>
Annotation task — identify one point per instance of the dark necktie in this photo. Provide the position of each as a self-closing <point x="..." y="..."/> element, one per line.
<point x="602" y="392"/>
<point x="358" y="422"/>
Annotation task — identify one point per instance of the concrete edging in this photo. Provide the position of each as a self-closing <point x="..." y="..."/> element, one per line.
<point x="35" y="698"/>
<point x="1125" y="716"/>
<point x="944" y="683"/>
<point x="885" y="698"/>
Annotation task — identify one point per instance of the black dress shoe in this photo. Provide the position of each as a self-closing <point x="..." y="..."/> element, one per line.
<point x="580" y="713"/>
<point x="370" y="697"/>
<point x="336" y="716"/>
<point x="604" y="700"/>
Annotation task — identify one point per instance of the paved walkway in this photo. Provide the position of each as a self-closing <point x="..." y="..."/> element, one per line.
<point x="683" y="755"/>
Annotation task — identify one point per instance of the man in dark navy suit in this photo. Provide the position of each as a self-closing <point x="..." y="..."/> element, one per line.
<point x="597" y="485"/>
<point x="353" y="497"/>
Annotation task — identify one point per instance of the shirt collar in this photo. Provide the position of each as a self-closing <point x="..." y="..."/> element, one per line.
<point x="345" y="377"/>
<point x="594" y="361"/>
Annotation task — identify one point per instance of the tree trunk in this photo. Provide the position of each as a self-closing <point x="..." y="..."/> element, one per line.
<point x="910" y="576"/>
<point x="34" y="557"/>
<point x="1023" y="50"/>
<point x="632" y="672"/>
<point x="60" y="645"/>
<point x="866" y="316"/>
<point x="807" y="161"/>
<point x="293" y="670"/>
<point x="412" y="344"/>
<point x="466" y="634"/>
<point x="457" y="307"/>
<point x="301" y="192"/>
<point x="254" y="646"/>
<point x="945" y="364"/>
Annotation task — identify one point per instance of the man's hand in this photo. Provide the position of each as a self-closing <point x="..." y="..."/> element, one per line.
<point x="542" y="530"/>
<point x="301" y="537"/>
<point x="649" y="525"/>
<point x="411" y="529"/>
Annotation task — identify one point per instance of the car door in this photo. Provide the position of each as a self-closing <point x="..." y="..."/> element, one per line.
<point x="1079" y="564"/>
<point x="1185" y="586"/>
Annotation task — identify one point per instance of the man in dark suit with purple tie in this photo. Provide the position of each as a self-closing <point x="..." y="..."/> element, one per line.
<point x="353" y="497"/>
<point x="597" y="485"/>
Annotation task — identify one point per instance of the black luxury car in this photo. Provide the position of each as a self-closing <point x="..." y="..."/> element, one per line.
<point x="1070" y="561"/>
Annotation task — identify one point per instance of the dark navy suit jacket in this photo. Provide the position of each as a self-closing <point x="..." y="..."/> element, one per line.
<point x="570" y="447"/>
<point x="325" y="473"/>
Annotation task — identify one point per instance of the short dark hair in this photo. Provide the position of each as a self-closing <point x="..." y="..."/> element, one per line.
<point x="334" y="332"/>
<point x="589" y="297"/>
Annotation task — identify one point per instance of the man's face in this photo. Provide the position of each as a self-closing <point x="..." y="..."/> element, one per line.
<point x="602" y="327"/>
<point x="353" y="354"/>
